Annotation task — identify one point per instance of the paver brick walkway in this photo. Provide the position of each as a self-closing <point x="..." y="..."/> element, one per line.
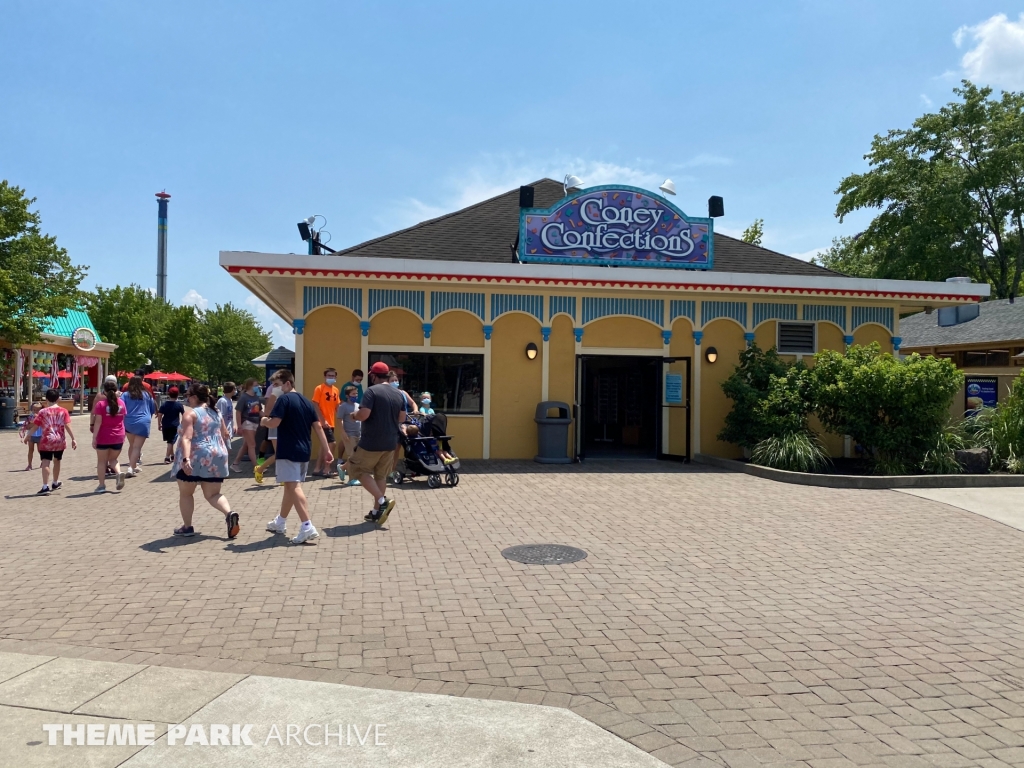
<point x="720" y="619"/>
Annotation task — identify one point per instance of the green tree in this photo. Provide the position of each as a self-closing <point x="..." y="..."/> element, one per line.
<point x="37" y="278"/>
<point x="896" y="409"/>
<point x="130" y="317"/>
<point x="846" y="258"/>
<point x="754" y="233"/>
<point x="233" y="337"/>
<point x="950" y="191"/>
<point x="180" y="343"/>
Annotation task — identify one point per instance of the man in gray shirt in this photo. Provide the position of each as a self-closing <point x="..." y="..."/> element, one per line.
<point x="381" y="411"/>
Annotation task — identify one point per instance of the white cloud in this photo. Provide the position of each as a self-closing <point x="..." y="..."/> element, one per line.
<point x="194" y="298"/>
<point x="281" y="332"/>
<point x="494" y="175"/>
<point x="926" y="101"/>
<point x="997" y="58"/>
<point x="808" y="255"/>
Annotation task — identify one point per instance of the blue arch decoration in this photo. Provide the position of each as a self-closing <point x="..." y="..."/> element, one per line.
<point x="833" y="313"/>
<point x="562" y="304"/>
<point x="387" y="298"/>
<point x="773" y="311"/>
<point x="863" y="315"/>
<point x="314" y="296"/>
<point x="712" y="310"/>
<point x="682" y="308"/>
<point x="647" y="309"/>
<point x="531" y="304"/>
<point x="442" y="301"/>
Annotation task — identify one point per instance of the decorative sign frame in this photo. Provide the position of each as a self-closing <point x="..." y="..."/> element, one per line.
<point x="84" y="339"/>
<point x="618" y="226"/>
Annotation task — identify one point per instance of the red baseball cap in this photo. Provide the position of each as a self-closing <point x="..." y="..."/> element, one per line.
<point x="380" y="368"/>
<point x="173" y="392"/>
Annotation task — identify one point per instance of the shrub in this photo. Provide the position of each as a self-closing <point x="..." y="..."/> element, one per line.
<point x="795" y="452"/>
<point x="896" y="409"/>
<point x="940" y="459"/>
<point x="747" y="424"/>
<point x="1001" y="430"/>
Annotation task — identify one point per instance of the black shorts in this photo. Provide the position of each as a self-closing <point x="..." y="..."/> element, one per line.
<point x="196" y="478"/>
<point x="329" y="434"/>
<point x="51" y="455"/>
<point x="110" y="447"/>
<point x="170" y="434"/>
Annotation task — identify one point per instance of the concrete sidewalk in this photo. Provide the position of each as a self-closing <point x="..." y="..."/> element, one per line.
<point x="1004" y="505"/>
<point x="287" y="718"/>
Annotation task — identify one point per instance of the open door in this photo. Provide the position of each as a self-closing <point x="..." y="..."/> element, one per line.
<point x="577" y="411"/>
<point x="675" y="409"/>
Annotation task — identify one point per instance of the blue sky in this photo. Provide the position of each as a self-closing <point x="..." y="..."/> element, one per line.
<point x="254" y="115"/>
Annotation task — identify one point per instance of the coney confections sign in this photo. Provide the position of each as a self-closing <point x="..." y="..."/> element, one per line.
<point x="615" y="225"/>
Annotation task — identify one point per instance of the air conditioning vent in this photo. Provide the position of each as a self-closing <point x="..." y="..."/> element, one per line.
<point x="796" y="338"/>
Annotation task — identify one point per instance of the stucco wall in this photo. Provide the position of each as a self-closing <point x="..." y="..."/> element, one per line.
<point x="457" y="329"/>
<point x="515" y="387"/>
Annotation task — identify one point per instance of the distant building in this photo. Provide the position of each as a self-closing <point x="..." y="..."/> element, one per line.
<point x="989" y="349"/>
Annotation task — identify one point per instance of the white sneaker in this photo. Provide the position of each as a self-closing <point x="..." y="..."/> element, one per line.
<point x="273" y="527"/>
<point x="306" y="535"/>
<point x="120" y="481"/>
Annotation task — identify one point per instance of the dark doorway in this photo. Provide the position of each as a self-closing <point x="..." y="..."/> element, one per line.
<point x="619" y="404"/>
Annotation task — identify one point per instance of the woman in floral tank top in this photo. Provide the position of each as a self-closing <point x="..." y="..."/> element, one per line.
<point x="201" y="458"/>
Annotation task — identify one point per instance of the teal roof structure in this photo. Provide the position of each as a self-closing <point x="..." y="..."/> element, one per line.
<point x="67" y="324"/>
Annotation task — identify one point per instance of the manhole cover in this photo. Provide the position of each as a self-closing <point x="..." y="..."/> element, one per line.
<point x="543" y="554"/>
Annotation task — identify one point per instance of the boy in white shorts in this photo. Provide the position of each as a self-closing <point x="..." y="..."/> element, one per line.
<point x="293" y="416"/>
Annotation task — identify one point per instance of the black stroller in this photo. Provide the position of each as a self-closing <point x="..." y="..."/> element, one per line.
<point x="423" y="453"/>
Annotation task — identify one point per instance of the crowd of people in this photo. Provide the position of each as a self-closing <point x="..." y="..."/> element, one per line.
<point x="358" y="433"/>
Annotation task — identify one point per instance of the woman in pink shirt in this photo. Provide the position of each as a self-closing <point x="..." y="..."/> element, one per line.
<point x="108" y="434"/>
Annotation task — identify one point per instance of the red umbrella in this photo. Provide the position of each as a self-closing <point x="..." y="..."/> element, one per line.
<point x="176" y="377"/>
<point x="40" y="375"/>
<point x="160" y="375"/>
<point x="64" y="375"/>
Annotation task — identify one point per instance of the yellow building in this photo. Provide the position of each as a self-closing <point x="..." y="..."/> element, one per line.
<point x="638" y="339"/>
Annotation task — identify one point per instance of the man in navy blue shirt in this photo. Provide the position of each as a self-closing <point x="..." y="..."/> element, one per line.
<point x="294" y="415"/>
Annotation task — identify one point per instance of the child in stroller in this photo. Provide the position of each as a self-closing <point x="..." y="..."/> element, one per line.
<point x="428" y="452"/>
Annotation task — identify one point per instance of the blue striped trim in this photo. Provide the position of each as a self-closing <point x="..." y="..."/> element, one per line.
<point x="880" y="315"/>
<point x="381" y="298"/>
<point x="833" y="313"/>
<point x="712" y="310"/>
<point x="772" y="311"/>
<point x="442" y="301"/>
<point x="517" y="302"/>
<point x="314" y="296"/>
<point x="648" y="309"/>
<point x="682" y="308"/>
<point x="566" y="304"/>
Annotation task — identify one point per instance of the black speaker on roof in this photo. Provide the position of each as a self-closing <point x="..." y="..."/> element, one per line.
<point x="716" y="207"/>
<point x="526" y="197"/>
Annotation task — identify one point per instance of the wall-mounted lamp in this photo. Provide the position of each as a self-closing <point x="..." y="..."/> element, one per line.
<point x="711" y="354"/>
<point x="531" y="351"/>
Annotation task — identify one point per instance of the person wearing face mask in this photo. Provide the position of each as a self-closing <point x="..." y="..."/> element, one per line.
<point x="425" y="400"/>
<point x="410" y="408"/>
<point x="201" y="459"/>
<point x="348" y="436"/>
<point x="326" y="397"/>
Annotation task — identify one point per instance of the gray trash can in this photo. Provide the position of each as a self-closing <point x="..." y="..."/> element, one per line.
<point x="552" y="433"/>
<point x="8" y="412"/>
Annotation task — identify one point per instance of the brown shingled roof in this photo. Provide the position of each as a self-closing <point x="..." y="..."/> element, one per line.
<point x="484" y="232"/>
